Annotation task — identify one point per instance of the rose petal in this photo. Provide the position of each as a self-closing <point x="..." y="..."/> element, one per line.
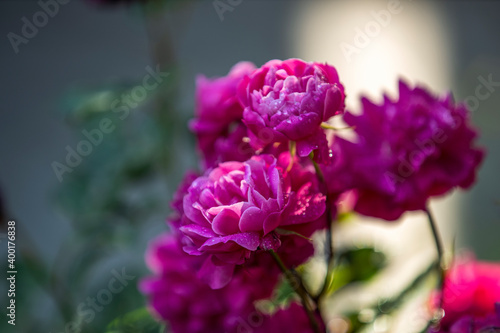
<point x="216" y="276"/>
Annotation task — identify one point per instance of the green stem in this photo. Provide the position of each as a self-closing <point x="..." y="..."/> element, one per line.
<point x="329" y="251"/>
<point x="319" y="173"/>
<point x="393" y="304"/>
<point x="329" y="256"/>
<point x="439" y="249"/>
<point x="435" y="234"/>
<point x="296" y="283"/>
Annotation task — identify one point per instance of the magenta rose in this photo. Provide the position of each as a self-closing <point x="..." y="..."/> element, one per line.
<point x="218" y="127"/>
<point x="177" y="296"/>
<point x="471" y="290"/>
<point x="406" y="151"/>
<point x="237" y="208"/>
<point x="287" y="101"/>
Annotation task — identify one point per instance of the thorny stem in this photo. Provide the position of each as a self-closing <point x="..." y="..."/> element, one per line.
<point x="439" y="249"/>
<point x="296" y="283"/>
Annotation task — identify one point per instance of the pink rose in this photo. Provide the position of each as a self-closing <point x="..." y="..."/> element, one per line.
<point x="287" y="101"/>
<point x="471" y="290"/>
<point x="218" y="127"/>
<point x="235" y="210"/>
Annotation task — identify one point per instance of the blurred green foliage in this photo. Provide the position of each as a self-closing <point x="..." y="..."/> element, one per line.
<point x="356" y="265"/>
<point x="124" y="183"/>
<point x="114" y="198"/>
<point x="139" y="320"/>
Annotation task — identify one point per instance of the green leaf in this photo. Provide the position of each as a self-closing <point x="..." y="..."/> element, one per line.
<point x="281" y="231"/>
<point x="363" y="263"/>
<point x="139" y="320"/>
<point x="284" y="293"/>
<point x="355" y="265"/>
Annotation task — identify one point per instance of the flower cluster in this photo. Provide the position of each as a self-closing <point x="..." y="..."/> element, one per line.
<point x="287" y="101"/>
<point x="272" y="170"/>
<point x="235" y="210"/>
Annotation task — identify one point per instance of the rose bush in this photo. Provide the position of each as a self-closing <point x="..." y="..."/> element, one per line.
<point x="272" y="176"/>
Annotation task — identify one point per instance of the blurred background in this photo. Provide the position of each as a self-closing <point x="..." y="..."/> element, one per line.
<point x="80" y="227"/>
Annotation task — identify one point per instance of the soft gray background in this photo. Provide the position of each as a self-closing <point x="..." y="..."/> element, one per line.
<point x="83" y="44"/>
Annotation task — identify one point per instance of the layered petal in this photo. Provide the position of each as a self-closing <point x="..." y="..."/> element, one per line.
<point x="405" y="151"/>
<point x="237" y="209"/>
<point x="287" y="101"/>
